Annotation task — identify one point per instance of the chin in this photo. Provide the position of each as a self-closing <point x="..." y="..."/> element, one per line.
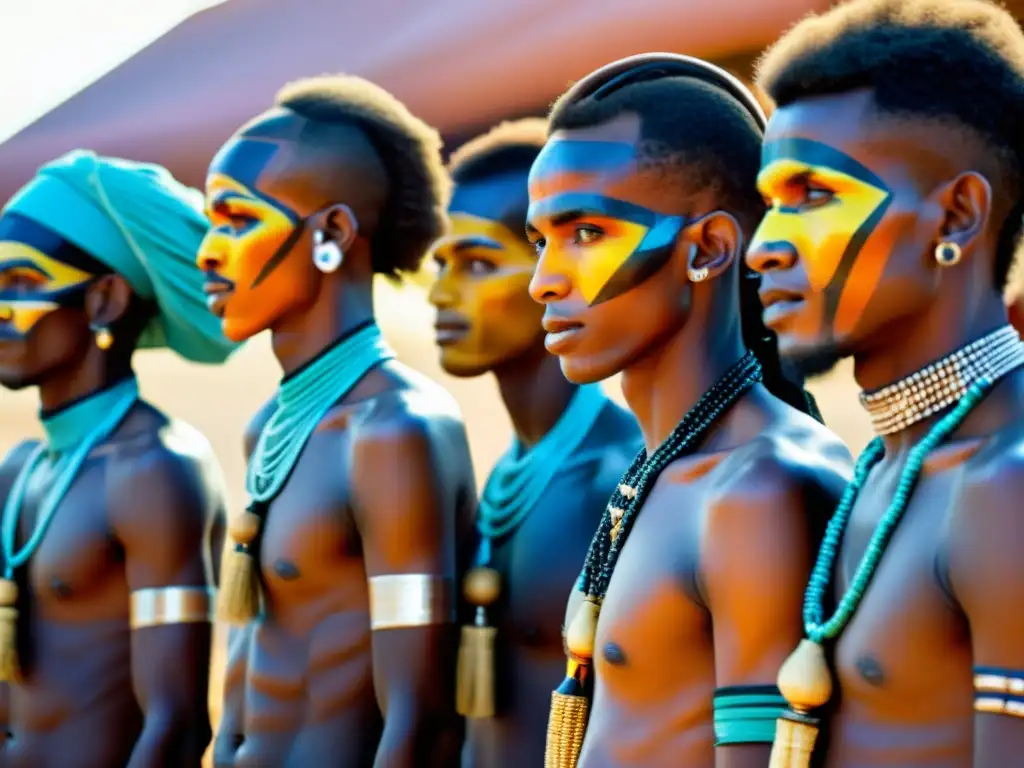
<point x="811" y="360"/>
<point x="584" y="371"/>
<point x="238" y="331"/>
<point x="15" y="381"/>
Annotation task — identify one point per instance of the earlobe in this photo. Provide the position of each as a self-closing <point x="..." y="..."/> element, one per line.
<point x="717" y="241"/>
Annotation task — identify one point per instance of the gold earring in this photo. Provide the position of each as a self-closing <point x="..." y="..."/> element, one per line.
<point x="697" y="275"/>
<point x="104" y="338"/>
<point x="947" y="254"/>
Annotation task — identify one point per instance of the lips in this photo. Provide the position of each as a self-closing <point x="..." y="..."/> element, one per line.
<point x="779" y="305"/>
<point x="450" y="328"/>
<point x="218" y="290"/>
<point x="562" y="333"/>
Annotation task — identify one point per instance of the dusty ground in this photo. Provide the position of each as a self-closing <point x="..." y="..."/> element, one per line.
<point x="220" y="400"/>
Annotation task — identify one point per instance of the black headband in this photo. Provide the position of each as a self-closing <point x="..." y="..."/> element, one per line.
<point x="653" y="66"/>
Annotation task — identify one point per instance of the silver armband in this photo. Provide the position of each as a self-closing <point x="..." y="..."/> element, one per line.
<point x="171" y="605"/>
<point x="410" y="600"/>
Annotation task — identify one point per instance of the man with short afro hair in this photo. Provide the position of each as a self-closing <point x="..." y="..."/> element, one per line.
<point x="894" y="166"/>
<point x="569" y="442"/>
<point x="341" y="577"/>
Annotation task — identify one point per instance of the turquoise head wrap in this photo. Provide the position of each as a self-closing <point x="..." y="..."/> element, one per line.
<point x="145" y="225"/>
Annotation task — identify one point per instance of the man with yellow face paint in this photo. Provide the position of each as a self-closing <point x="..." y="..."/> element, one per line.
<point x="640" y="205"/>
<point x="108" y="525"/>
<point x="543" y="499"/>
<point x="894" y="168"/>
<point x="342" y="570"/>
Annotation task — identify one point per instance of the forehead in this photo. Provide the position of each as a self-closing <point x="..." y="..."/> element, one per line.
<point x="24" y="238"/>
<point x="502" y="198"/>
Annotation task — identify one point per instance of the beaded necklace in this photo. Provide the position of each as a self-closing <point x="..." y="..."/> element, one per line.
<point x="804" y="678"/>
<point x="72" y="434"/>
<point x="303" y="399"/>
<point x="520" y="477"/>
<point x="570" y="703"/>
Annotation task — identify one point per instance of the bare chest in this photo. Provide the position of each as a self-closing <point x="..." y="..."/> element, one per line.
<point x="652" y="608"/>
<point x="76" y="561"/>
<point x="310" y="545"/>
<point x="906" y="642"/>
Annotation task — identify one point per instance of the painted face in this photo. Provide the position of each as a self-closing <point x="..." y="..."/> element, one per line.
<point x="599" y="238"/>
<point x="39" y="273"/>
<point x="842" y="247"/>
<point x="485" y="316"/>
<point x="254" y="273"/>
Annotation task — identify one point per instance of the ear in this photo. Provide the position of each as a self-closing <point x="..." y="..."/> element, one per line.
<point x="107" y="300"/>
<point x="967" y="204"/>
<point x="341" y="225"/>
<point x="718" y="242"/>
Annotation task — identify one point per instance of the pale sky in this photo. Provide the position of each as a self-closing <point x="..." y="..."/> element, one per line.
<point x="51" y="49"/>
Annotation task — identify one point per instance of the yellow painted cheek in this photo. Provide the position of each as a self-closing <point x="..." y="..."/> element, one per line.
<point x="23" y="315"/>
<point x="599" y="262"/>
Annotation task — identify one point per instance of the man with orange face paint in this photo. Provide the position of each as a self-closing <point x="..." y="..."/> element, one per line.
<point x="894" y="167"/>
<point x="111" y="524"/>
<point x="544" y="497"/>
<point x="640" y="205"/>
<point x="342" y="570"/>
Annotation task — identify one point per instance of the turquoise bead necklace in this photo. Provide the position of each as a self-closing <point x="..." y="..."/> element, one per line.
<point x="303" y="399"/>
<point x="520" y="477"/>
<point x="72" y="434"/>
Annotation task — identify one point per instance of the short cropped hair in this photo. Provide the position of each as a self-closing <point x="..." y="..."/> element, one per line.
<point x="696" y="135"/>
<point x="413" y="215"/>
<point x="959" y="61"/>
<point x="508" y="147"/>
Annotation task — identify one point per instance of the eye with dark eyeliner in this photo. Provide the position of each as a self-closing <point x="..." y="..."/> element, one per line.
<point x="479" y="267"/>
<point x="21" y="279"/>
<point x="814" y="193"/>
<point x="585" y="234"/>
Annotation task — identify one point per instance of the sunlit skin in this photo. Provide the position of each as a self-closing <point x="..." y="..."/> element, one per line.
<point x="255" y="254"/>
<point x="308" y="682"/>
<point x="94" y="693"/>
<point x="940" y="601"/>
<point x="678" y="620"/>
<point x="487" y="322"/>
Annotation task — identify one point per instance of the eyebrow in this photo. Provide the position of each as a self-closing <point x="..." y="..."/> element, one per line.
<point x="466" y="243"/>
<point x="815" y="153"/>
<point x="6" y="266"/>
<point x="565" y="208"/>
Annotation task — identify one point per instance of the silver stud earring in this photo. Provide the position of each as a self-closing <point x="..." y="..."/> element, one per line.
<point x="947" y="254"/>
<point x="697" y="275"/>
<point x="327" y="254"/>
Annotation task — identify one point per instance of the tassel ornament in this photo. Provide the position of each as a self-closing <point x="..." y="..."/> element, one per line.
<point x="805" y="681"/>
<point x="10" y="670"/>
<point x="475" y="674"/>
<point x="238" y="599"/>
<point x="570" y="703"/>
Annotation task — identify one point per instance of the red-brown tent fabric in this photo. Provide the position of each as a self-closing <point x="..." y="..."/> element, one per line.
<point x="459" y="64"/>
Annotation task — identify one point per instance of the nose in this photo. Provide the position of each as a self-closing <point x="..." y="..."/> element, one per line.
<point x="209" y="257"/>
<point x="441" y="294"/>
<point x="549" y="282"/>
<point x="764" y="257"/>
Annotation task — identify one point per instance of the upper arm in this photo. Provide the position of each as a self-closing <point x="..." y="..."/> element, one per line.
<point x="986" y="573"/>
<point x="755" y="561"/>
<point x="404" y="519"/>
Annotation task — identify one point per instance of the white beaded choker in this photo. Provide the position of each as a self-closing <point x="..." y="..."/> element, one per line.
<point x="944" y="382"/>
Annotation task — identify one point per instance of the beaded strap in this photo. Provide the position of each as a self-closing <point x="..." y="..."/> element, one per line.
<point x="639" y="479"/>
<point x="816" y="626"/>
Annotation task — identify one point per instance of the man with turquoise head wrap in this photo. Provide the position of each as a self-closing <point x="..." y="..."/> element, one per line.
<point x="109" y="525"/>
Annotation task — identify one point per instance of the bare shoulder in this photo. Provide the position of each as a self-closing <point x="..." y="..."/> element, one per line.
<point x="162" y="472"/>
<point x="994" y="479"/>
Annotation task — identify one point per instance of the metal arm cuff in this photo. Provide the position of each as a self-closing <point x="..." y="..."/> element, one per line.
<point x="410" y="600"/>
<point x="171" y="605"/>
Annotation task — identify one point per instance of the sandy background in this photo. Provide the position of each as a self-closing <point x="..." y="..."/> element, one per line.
<point x="220" y="400"/>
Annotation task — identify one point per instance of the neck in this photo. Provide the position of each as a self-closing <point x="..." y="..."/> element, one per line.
<point x="297" y="340"/>
<point x="94" y="373"/>
<point x="670" y="378"/>
<point x="913" y="343"/>
<point x="535" y="394"/>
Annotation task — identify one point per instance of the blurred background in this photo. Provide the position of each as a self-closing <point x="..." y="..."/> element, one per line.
<point x="169" y="81"/>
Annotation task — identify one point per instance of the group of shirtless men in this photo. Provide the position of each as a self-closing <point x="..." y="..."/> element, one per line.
<point x="704" y="579"/>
